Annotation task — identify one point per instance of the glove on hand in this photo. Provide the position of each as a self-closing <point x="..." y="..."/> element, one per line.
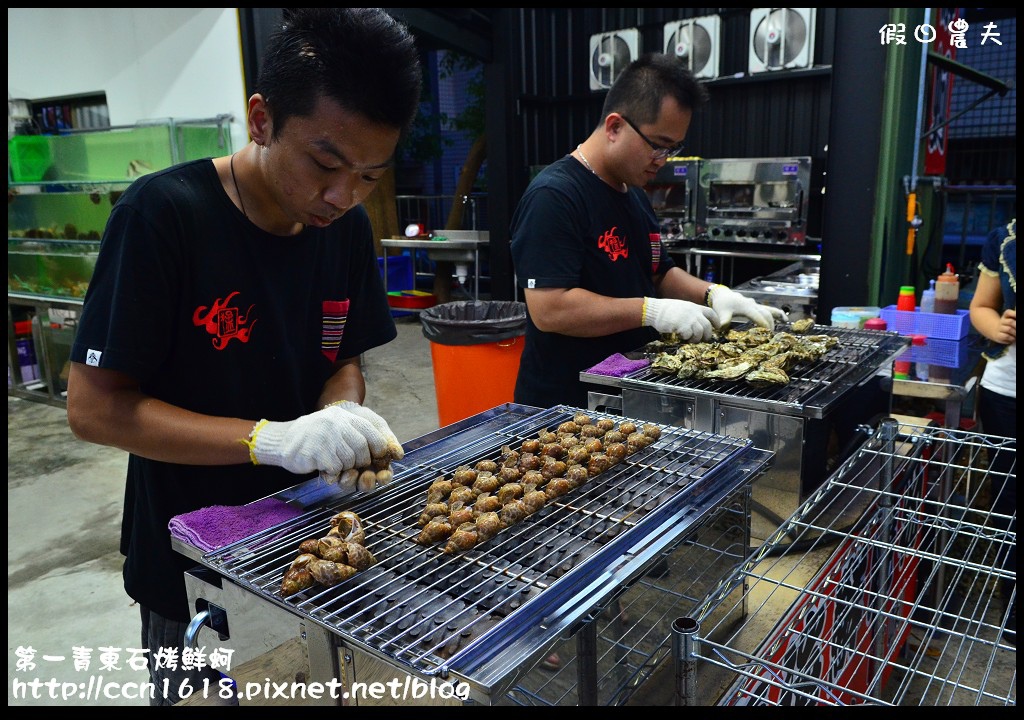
<point x="330" y="440"/>
<point x="726" y="303"/>
<point x="692" y="322"/>
<point x="393" y="450"/>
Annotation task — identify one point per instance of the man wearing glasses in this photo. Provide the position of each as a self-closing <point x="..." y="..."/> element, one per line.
<point x="587" y="249"/>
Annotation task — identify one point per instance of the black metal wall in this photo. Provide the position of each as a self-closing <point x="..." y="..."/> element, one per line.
<point x="540" y="105"/>
<point x="543" y="105"/>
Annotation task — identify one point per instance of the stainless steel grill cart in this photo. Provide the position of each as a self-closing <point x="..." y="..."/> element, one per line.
<point x="573" y="571"/>
<point x="787" y="420"/>
<point x="895" y="598"/>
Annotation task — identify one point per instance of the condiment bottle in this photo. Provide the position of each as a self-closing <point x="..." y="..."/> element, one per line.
<point x="928" y="299"/>
<point x="947" y="291"/>
<point x="908" y="299"/>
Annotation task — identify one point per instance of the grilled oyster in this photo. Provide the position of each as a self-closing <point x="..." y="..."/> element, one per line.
<point x="767" y="376"/>
<point x="691" y="370"/>
<point x="802" y="326"/>
<point x="666" y="363"/>
<point x="732" y="369"/>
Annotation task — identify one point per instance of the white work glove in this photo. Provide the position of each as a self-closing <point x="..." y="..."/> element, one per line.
<point x="331" y="440"/>
<point x="393" y="449"/>
<point x="692" y="322"/>
<point x="726" y="303"/>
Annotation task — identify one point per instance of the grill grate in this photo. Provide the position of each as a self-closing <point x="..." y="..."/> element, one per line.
<point x="817" y="384"/>
<point x="431" y="612"/>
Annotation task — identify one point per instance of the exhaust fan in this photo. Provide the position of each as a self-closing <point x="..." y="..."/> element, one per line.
<point x="610" y="53"/>
<point x="696" y="42"/>
<point x="781" y="39"/>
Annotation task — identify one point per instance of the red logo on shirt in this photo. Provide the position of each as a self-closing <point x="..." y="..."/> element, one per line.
<point x="223" y="322"/>
<point x="613" y="245"/>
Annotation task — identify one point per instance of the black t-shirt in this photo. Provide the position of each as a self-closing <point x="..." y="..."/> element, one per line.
<point x="571" y="230"/>
<point x="216" y="316"/>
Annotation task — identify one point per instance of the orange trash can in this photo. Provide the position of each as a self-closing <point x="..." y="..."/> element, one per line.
<point x="475" y="348"/>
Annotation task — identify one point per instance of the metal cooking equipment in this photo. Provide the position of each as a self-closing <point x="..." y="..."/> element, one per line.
<point x="758" y="200"/>
<point x="673" y="194"/>
<point x="794" y="289"/>
<point x="487" y="615"/>
<point x="785" y="420"/>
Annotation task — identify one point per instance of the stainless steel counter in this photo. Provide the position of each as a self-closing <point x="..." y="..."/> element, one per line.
<point x="461" y="247"/>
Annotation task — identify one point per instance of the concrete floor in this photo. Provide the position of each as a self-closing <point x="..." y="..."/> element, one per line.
<point x="64" y="502"/>
<point x="65" y="594"/>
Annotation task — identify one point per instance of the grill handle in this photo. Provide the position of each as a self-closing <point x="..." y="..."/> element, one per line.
<point x="192" y="631"/>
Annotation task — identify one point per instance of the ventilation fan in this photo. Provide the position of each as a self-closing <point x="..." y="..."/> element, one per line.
<point x="696" y="42"/>
<point x="781" y="38"/>
<point x="610" y="53"/>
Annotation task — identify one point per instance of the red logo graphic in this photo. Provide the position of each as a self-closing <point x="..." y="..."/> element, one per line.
<point x="613" y="245"/>
<point x="223" y="322"/>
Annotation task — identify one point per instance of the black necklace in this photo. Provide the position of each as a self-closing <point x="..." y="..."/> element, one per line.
<point x="234" y="180"/>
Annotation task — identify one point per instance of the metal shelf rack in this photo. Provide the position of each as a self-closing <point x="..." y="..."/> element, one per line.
<point x="904" y="607"/>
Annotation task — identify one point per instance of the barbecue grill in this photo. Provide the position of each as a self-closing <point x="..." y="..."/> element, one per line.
<point x="789" y="420"/>
<point x="486" y="616"/>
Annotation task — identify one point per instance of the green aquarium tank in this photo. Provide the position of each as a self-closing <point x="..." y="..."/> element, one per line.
<point x="62" y="189"/>
<point x="117" y="153"/>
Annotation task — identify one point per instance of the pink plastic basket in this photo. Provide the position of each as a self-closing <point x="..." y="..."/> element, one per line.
<point x="934" y="325"/>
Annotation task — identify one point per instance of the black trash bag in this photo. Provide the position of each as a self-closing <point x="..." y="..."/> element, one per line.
<point x="473" y="322"/>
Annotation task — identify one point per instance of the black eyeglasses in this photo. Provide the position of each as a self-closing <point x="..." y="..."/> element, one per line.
<point x="658" y="152"/>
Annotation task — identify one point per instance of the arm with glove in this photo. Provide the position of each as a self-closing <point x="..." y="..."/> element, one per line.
<point x="341" y="438"/>
<point x="728" y="303"/>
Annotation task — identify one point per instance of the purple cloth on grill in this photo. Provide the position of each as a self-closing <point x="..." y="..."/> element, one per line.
<point x="213" y="527"/>
<point x="618" y="365"/>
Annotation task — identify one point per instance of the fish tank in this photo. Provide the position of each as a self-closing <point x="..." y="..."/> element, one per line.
<point x="62" y="188"/>
<point x="120" y="153"/>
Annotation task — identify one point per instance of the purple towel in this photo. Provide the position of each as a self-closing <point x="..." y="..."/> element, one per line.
<point x="214" y="527"/>
<point x="618" y="365"/>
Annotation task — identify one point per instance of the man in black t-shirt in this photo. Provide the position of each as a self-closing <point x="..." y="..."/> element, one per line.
<point x="220" y="337"/>
<point x="587" y="249"/>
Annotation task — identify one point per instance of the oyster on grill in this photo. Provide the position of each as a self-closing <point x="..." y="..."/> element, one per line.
<point x="666" y="363"/>
<point x="691" y="370"/>
<point x="802" y="326"/>
<point x="766" y="376"/>
<point x="730" y="370"/>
